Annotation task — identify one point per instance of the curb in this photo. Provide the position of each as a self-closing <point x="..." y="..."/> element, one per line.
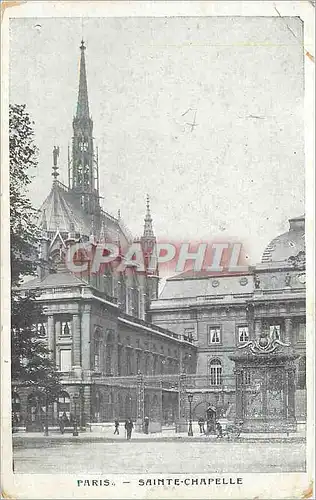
<point x="19" y="441"/>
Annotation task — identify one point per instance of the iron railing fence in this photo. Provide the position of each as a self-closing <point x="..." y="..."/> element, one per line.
<point x="171" y="382"/>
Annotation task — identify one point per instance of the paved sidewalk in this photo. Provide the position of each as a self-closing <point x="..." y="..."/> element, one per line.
<point x="164" y="436"/>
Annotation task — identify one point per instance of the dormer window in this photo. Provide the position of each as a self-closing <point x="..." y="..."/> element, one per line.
<point x="66" y="330"/>
<point x="66" y="327"/>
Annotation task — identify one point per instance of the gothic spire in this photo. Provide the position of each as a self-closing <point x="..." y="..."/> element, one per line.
<point x="83" y="168"/>
<point x="83" y="102"/>
<point x="148" y="225"/>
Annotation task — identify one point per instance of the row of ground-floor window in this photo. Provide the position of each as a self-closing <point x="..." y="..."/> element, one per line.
<point x="92" y="404"/>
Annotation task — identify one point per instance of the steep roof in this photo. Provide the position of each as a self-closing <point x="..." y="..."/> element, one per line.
<point x="61" y="211"/>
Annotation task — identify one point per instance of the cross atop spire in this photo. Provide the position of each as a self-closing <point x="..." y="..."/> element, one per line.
<point x="55" y="172"/>
<point x="148" y="225"/>
<point x="83" y="102"/>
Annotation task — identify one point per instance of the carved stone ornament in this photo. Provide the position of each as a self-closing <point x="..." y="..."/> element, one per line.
<point x="243" y="281"/>
<point x="298" y="261"/>
<point x="263" y="345"/>
<point x="302" y="278"/>
<point x="256" y="281"/>
<point x="287" y="279"/>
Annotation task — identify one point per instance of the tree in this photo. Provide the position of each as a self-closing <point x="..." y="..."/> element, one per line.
<point x="31" y="363"/>
<point x="23" y="230"/>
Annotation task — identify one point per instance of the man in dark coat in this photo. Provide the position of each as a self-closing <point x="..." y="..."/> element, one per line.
<point x="146" y="425"/>
<point x="116" y="425"/>
<point x="219" y="430"/>
<point x="129" y="427"/>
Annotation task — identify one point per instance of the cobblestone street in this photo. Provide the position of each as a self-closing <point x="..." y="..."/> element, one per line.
<point x="136" y="456"/>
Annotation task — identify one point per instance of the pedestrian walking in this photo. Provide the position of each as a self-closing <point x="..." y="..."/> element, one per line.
<point x="201" y="423"/>
<point x="219" y="430"/>
<point x="129" y="427"/>
<point x="146" y="425"/>
<point x="116" y="425"/>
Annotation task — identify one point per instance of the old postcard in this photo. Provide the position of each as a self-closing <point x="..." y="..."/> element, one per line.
<point x="157" y="285"/>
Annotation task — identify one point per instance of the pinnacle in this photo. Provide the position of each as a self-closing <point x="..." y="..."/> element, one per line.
<point x="83" y="101"/>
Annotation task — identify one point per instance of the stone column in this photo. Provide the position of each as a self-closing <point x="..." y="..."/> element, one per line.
<point x="86" y="341"/>
<point x="51" y="336"/>
<point x="288" y="335"/>
<point x="133" y="361"/>
<point x="115" y="359"/>
<point x="76" y="341"/>
<point x="140" y="403"/>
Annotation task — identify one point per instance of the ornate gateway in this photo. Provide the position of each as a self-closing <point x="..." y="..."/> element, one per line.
<point x="265" y="385"/>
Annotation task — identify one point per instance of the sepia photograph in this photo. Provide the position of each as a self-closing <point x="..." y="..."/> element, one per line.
<point x="158" y="261"/>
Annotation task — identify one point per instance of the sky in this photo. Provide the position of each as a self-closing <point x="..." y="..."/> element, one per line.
<point x="237" y="174"/>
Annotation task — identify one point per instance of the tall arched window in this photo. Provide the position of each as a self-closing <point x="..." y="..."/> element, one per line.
<point x="16" y="408"/>
<point x="215" y="372"/>
<point x="97" y="350"/>
<point x="64" y="404"/>
<point x="109" y="354"/>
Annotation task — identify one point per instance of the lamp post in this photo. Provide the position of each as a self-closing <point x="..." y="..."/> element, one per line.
<point x="46" y="415"/>
<point x="82" y="419"/>
<point x="190" y="431"/>
<point x="75" y="398"/>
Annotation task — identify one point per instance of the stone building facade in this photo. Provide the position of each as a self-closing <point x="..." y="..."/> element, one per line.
<point x="225" y="311"/>
<point x="96" y="324"/>
<point x="121" y="350"/>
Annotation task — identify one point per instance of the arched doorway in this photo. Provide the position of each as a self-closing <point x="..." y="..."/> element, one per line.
<point x="97" y="406"/>
<point x="36" y="412"/>
<point x="215" y="372"/>
<point x="147" y="406"/>
<point x="16" y="409"/>
<point x="63" y="404"/>
<point x="107" y="412"/>
<point x="128" y="406"/>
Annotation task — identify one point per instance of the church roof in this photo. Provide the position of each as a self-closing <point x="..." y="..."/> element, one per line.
<point x="288" y="244"/>
<point x="61" y="211"/>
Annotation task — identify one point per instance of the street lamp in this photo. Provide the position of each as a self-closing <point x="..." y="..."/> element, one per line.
<point x="75" y="398"/>
<point x="190" y="431"/>
<point x="46" y="415"/>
